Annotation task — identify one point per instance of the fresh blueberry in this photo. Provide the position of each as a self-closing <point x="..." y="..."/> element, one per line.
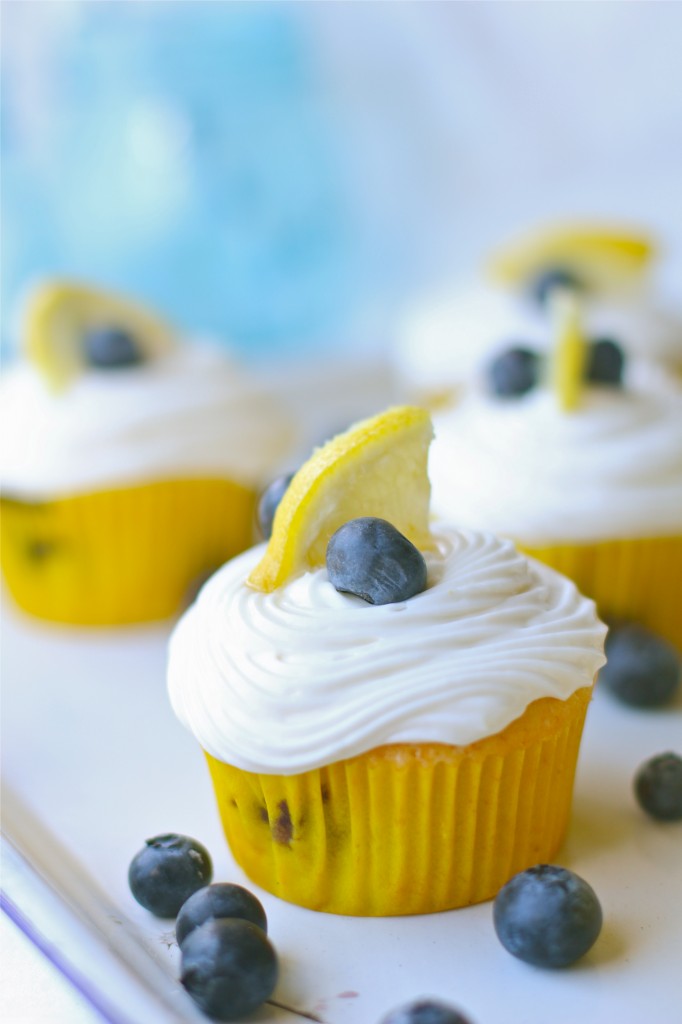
<point x="605" y="362"/>
<point x="658" y="787"/>
<point x="642" y="669"/>
<point x="220" y="900"/>
<point x="425" y="1011"/>
<point x="547" y="916"/>
<point x="544" y="283"/>
<point x="166" y="871"/>
<point x="111" y="348"/>
<point x="268" y="503"/>
<point x="370" y="558"/>
<point x="228" y="967"/>
<point x="514" y="372"/>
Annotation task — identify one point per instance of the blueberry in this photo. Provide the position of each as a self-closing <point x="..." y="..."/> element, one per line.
<point x="166" y="871"/>
<point x="642" y="669"/>
<point x="425" y="1011"/>
<point x="547" y="280"/>
<point x="220" y="900"/>
<point x="370" y="558"/>
<point x="111" y="348"/>
<point x="514" y="372"/>
<point x="269" y="502"/>
<point x="228" y="967"/>
<point x="658" y="787"/>
<point x="605" y="362"/>
<point x="547" y="916"/>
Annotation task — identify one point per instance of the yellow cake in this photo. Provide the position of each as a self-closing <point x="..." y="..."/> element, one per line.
<point x="383" y="759"/>
<point x="131" y="460"/>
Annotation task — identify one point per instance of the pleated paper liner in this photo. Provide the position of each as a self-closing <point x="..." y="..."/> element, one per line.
<point x="405" y="828"/>
<point x="120" y="556"/>
<point x="637" y="579"/>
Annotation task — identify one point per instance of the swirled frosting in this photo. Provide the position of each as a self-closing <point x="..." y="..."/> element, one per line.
<point x="527" y="470"/>
<point x="189" y="413"/>
<point x="305" y="676"/>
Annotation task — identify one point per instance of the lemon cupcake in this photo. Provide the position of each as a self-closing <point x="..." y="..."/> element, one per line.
<point x="386" y="758"/>
<point x="130" y="460"/>
<point x="571" y="442"/>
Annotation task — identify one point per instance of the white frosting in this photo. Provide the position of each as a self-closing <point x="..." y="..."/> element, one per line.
<point x="190" y="413"/>
<point x="446" y="338"/>
<point x="305" y="676"/>
<point x="524" y="469"/>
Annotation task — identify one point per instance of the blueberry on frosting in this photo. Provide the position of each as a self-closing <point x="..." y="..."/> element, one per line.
<point x="514" y="372"/>
<point x="111" y="348"/>
<point x="605" y="362"/>
<point x="368" y="557"/>
<point x="544" y="283"/>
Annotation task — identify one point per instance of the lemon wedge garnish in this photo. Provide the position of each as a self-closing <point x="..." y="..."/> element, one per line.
<point x="604" y="257"/>
<point x="377" y="468"/>
<point x="569" y="352"/>
<point x="59" y="314"/>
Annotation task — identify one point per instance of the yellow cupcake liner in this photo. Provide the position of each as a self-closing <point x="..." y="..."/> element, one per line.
<point x="637" y="579"/>
<point x="405" y="828"/>
<point x="120" y="556"/>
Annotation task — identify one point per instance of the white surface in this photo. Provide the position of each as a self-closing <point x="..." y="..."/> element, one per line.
<point x="91" y="745"/>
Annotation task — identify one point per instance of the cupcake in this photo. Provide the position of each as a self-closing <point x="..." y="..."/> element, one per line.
<point x="130" y="461"/>
<point x="572" y="446"/>
<point x="396" y="757"/>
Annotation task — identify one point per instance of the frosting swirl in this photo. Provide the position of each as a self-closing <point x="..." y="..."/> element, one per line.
<point x="189" y="413"/>
<point x="523" y="468"/>
<point x="305" y="676"/>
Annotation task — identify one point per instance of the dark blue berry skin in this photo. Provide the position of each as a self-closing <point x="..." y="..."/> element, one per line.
<point x="368" y="557"/>
<point x="269" y="502"/>
<point x="554" y="277"/>
<point x="221" y="900"/>
<point x="111" y="348"/>
<point x="425" y="1011"/>
<point x="547" y="916"/>
<point x="166" y="871"/>
<point x="642" y="669"/>
<point x="658" y="787"/>
<point x="605" y="363"/>
<point x="228" y="967"/>
<point x="514" y="372"/>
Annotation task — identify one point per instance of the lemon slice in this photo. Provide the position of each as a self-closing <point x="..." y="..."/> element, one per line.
<point x="377" y="468"/>
<point x="606" y="258"/>
<point x="569" y="353"/>
<point x="59" y="314"/>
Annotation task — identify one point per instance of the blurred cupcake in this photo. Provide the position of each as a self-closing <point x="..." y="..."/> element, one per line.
<point x="130" y="460"/>
<point x="399" y="757"/>
<point x="573" y="448"/>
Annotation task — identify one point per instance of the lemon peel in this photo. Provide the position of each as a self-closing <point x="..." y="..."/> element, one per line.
<point x="58" y="313"/>
<point x="377" y="468"/>
<point x="569" y="354"/>
<point x="606" y="257"/>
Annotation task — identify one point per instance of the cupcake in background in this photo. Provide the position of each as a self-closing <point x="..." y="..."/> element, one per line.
<point x="131" y="459"/>
<point x="392" y="728"/>
<point x="570" y="439"/>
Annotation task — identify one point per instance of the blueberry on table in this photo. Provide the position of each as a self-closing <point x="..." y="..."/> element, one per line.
<point x="514" y="372"/>
<point x="269" y="502"/>
<point x="111" y="348"/>
<point x="642" y="669"/>
<point x="547" y="916"/>
<point x="605" y="362"/>
<point x="425" y="1011"/>
<point x="552" y="278"/>
<point x="228" y="967"/>
<point x="220" y="900"/>
<point x="370" y="558"/>
<point x="166" y="871"/>
<point x="658" y="787"/>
